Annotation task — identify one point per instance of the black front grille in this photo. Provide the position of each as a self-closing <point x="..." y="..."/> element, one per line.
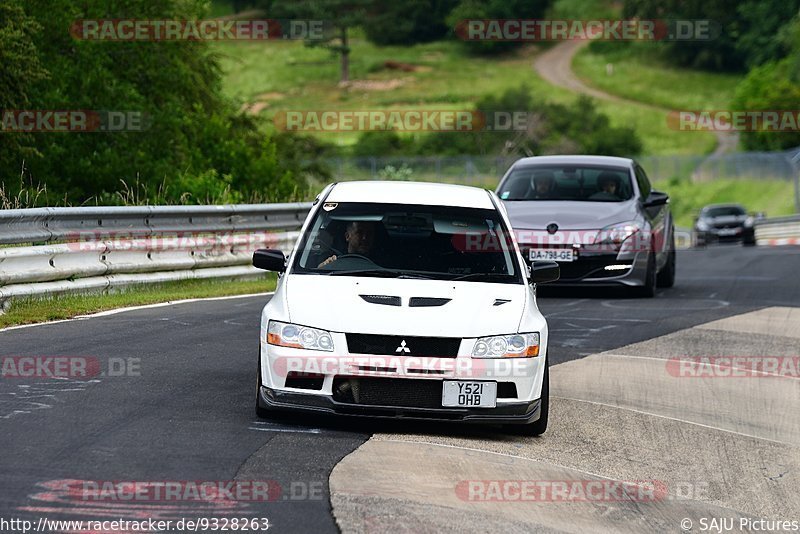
<point x="388" y="392"/>
<point x="399" y="392"/>
<point x="442" y="347"/>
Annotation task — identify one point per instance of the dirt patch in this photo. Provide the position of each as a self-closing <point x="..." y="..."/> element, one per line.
<point x="405" y="67"/>
<point x="261" y="103"/>
<point x="374" y="85"/>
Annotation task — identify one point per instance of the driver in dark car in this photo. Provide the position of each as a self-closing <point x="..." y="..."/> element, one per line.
<point x="360" y="238"/>
<point x="608" y="185"/>
<point x="544" y="185"/>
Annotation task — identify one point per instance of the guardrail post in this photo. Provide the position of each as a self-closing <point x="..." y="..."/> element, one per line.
<point x="795" y="161"/>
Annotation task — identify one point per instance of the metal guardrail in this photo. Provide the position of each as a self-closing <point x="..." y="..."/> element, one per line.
<point x="778" y="231"/>
<point x="98" y="248"/>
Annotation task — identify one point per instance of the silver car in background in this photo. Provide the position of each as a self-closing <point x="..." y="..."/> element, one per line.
<point x="598" y="216"/>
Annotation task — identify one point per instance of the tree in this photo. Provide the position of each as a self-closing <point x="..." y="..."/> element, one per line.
<point x="771" y="87"/>
<point x="21" y="71"/>
<point x="339" y="16"/>
<point x="495" y="9"/>
<point x="197" y="148"/>
<point x="748" y="30"/>
<point x="408" y="22"/>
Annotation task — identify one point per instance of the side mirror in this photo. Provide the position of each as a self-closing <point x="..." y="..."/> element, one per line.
<point x="269" y="260"/>
<point x="656" y="198"/>
<point x="545" y="271"/>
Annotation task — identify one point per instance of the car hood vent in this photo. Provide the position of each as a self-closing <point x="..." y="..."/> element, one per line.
<point x="386" y="300"/>
<point x="500" y="302"/>
<point x="427" y="302"/>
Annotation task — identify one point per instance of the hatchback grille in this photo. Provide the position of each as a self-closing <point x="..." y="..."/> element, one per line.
<point x="441" y="347"/>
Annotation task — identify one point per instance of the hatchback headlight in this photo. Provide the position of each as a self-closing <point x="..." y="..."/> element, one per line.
<point x="298" y="337"/>
<point x="510" y="346"/>
<point x="617" y="233"/>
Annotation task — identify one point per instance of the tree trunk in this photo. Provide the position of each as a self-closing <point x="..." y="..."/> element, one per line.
<point x="345" y="75"/>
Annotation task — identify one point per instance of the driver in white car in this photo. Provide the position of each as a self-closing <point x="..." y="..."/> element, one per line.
<point x="360" y="237"/>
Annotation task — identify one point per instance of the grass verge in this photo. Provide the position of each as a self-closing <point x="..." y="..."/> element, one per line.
<point x="278" y="76"/>
<point x="773" y="197"/>
<point x="37" y="310"/>
<point x="639" y="74"/>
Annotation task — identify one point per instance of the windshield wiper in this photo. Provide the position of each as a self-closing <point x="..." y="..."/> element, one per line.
<point x="383" y="273"/>
<point x="502" y="277"/>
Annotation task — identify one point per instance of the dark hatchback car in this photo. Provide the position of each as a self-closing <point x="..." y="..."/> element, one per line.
<point x="597" y="216"/>
<point x="724" y="222"/>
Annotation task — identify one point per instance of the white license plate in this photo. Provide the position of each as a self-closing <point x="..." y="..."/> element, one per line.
<point x="555" y="254"/>
<point x="728" y="231"/>
<point x="469" y="394"/>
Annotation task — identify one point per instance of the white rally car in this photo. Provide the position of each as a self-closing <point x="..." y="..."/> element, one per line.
<point x="406" y="300"/>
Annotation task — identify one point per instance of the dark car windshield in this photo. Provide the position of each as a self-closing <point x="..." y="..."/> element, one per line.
<point x="408" y="241"/>
<point x="724" y="211"/>
<point x="586" y="183"/>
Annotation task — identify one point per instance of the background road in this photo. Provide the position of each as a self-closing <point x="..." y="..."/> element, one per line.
<point x="189" y="414"/>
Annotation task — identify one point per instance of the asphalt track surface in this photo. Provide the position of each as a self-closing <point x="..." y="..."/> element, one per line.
<point x="185" y="412"/>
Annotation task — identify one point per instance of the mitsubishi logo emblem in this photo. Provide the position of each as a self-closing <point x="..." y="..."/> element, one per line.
<point x="402" y="347"/>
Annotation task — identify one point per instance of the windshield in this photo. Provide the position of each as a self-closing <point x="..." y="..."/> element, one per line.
<point x="408" y="241"/>
<point x="588" y="183"/>
<point x="724" y="211"/>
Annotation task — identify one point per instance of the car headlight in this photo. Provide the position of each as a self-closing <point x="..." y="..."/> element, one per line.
<point x="617" y="233"/>
<point x="703" y="226"/>
<point x="749" y="221"/>
<point x="298" y="337"/>
<point x="510" y="346"/>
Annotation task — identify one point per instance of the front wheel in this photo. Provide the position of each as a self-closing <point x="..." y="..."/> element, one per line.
<point x="666" y="278"/>
<point x="648" y="290"/>
<point x="538" y="427"/>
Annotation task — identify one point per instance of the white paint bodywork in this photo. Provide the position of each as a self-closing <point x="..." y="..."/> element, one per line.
<point x="333" y="303"/>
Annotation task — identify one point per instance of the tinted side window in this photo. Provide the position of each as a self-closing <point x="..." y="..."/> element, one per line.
<point x="644" y="183"/>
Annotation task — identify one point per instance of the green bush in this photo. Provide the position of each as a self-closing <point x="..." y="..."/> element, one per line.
<point x="197" y="147"/>
<point x="495" y="9"/>
<point x="773" y="86"/>
<point x="551" y="129"/>
<point x="408" y="22"/>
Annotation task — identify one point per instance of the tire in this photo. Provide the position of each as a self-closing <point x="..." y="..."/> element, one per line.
<point x="538" y="427"/>
<point x="648" y="290"/>
<point x="666" y="278"/>
<point x="261" y="411"/>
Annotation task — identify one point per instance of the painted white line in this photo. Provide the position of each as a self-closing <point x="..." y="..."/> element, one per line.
<point x="296" y="431"/>
<point x="135" y="308"/>
<point x="610" y="320"/>
<point x="676" y="420"/>
<point x="706" y="364"/>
